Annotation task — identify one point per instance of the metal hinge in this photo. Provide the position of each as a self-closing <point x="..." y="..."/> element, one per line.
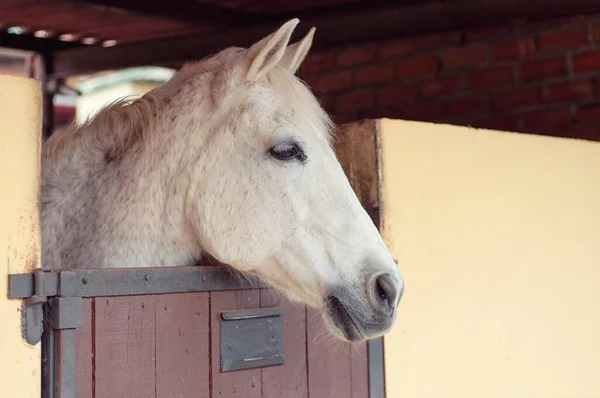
<point x="35" y="289"/>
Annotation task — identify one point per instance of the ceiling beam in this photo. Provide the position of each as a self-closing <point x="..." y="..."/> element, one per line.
<point x="332" y="30"/>
<point x="188" y="11"/>
<point x="27" y="42"/>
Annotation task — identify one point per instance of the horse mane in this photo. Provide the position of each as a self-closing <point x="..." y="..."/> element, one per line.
<point x="124" y="121"/>
<point x="117" y="126"/>
<point x="113" y="129"/>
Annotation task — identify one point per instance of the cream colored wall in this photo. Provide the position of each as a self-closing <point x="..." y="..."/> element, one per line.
<point x="498" y="237"/>
<point x="20" y="132"/>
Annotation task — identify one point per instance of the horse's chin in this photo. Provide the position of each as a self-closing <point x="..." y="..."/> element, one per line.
<point x="340" y="322"/>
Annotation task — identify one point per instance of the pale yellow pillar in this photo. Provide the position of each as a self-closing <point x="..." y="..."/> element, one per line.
<point x="498" y="239"/>
<point x="20" y="132"/>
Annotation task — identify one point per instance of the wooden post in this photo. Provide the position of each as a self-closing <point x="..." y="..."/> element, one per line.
<point x="20" y="140"/>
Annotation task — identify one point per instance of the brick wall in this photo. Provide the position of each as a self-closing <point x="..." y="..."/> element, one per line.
<point x="541" y="77"/>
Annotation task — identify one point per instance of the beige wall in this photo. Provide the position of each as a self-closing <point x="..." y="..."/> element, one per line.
<point x="20" y="132"/>
<point x="498" y="237"/>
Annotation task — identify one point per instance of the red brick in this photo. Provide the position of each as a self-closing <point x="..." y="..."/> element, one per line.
<point x="542" y="68"/>
<point x="441" y="86"/>
<point x="378" y="113"/>
<point x="355" y="56"/>
<point x="425" y="111"/>
<point x="400" y="47"/>
<point x="513" y="48"/>
<point x="498" y="122"/>
<point x="596" y="32"/>
<point x="547" y="23"/>
<point x="563" y="38"/>
<point x="316" y="63"/>
<point x="356" y="100"/>
<point x="470" y="55"/>
<point x="589" y="113"/>
<point x="417" y="66"/>
<point x="491" y="77"/>
<point x="587" y="61"/>
<point x="547" y="119"/>
<point x="327" y="102"/>
<point x="568" y="91"/>
<point x="396" y="48"/>
<point x="486" y="33"/>
<point x="392" y="95"/>
<point x="590" y="133"/>
<point x="518" y="98"/>
<point x="311" y="82"/>
<point x="374" y="74"/>
<point x="346" y="117"/>
<point x="471" y="105"/>
<point x="334" y="81"/>
<point x="438" y="40"/>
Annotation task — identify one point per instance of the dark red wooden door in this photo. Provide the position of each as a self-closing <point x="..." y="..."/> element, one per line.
<point x="167" y="345"/>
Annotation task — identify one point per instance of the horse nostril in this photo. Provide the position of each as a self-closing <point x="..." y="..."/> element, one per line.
<point x="386" y="292"/>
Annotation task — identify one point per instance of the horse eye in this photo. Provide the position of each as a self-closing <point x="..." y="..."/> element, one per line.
<point x="287" y="152"/>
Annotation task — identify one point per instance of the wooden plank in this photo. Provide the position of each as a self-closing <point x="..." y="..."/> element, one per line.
<point x="356" y="149"/>
<point x="182" y="345"/>
<point x="125" y="346"/>
<point x="85" y="352"/>
<point x="238" y="384"/>
<point x="289" y="380"/>
<point x="198" y="13"/>
<point x="329" y="369"/>
<point x="359" y="371"/>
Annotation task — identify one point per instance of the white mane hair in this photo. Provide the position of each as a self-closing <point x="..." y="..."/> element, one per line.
<point x="122" y="122"/>
<point x="231" y="159"/>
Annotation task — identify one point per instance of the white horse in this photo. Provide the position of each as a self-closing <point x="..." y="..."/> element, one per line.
<point x="231" y="159"/>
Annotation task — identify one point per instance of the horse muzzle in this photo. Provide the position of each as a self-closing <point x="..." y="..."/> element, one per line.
<point x="369" y="314"/>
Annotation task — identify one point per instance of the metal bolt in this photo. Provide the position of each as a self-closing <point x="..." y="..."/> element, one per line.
<point x="85" y="281"/>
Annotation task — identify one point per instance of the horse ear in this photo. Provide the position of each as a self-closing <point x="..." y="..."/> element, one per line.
<point x="266" y="53"/>
<point x="294" y="55"/>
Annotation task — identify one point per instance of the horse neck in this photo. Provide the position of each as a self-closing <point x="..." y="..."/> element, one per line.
<point x="128" y="212"/>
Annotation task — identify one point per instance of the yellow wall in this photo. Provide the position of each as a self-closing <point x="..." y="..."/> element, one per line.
<point x="20" y="132"/>
<point x="498" y="238"/>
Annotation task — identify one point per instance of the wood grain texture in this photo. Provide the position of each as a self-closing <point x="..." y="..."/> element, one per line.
<point x="359" y="371"/>
<point x="288" y="380"/>
<point x="356" y="149"/>
<point x="182" y="345"/>
<point x="329" y="362"/>
<point x="125" y="347"/>
<point x="85" y="351"/>
<point x="237" y="384"/>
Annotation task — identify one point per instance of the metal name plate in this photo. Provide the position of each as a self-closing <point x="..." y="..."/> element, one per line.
<point x="251" y="338"/>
